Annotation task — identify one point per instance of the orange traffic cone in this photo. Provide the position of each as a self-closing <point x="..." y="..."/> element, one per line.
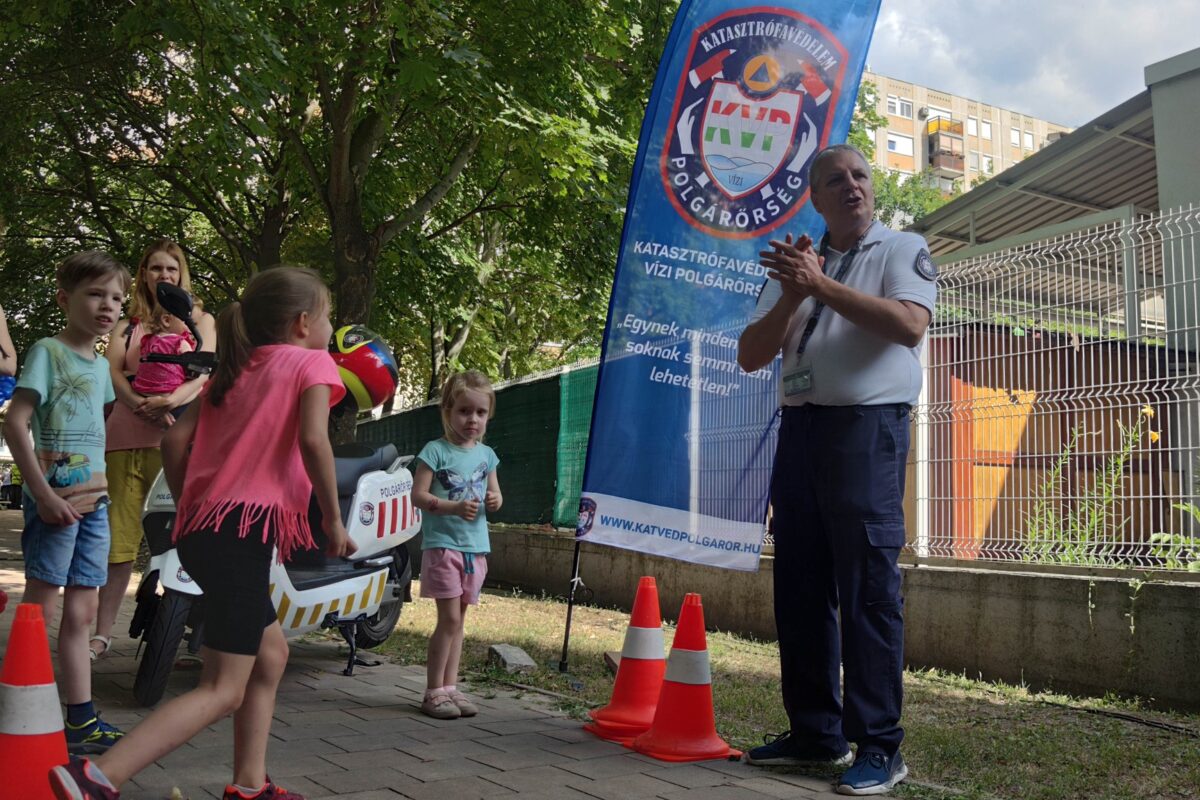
<point x="640" y="675"/>
<point x="31" y="727"/>
<point x="684" y="728"/>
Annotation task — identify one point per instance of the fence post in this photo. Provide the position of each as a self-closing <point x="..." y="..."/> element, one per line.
<point x="921" y="422"/>
<point x="1129" y="276"/>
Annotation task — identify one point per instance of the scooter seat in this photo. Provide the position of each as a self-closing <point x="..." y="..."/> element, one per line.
<point x="352" y="461"/>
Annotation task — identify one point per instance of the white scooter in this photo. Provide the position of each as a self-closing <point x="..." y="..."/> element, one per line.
<point x="361" y="597"/>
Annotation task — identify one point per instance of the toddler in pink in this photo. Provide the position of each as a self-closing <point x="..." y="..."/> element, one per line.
<point x="173" y="339"/>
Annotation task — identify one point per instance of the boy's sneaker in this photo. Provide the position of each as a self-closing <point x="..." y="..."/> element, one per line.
<point x="92" y="737"/>
<point x="77" y="781"/>
<point x="873" y="773"/>
<point x="268" y="792"/>
<point x="782" y="749"/>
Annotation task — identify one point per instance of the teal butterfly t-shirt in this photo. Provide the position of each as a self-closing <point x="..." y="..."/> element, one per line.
<point x="459" y="473"/>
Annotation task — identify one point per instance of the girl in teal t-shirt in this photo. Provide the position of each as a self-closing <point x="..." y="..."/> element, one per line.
<point x="454" y="476"/>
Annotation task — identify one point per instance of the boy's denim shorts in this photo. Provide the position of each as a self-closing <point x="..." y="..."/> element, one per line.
<point x="76" y="555"/>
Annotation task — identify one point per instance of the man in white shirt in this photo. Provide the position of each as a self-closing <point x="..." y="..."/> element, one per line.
<point x="849" y="317"/>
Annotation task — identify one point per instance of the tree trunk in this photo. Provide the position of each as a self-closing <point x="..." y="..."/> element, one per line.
<point x="354" y="259"/>
<point x="437" y="358"/>
<point x="269" y="243"/>
<point x="355" y="254"/>
<point x="506" y="367"/>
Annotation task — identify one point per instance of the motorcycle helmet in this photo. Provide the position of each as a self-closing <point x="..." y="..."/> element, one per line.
<point x="366" y="365"/>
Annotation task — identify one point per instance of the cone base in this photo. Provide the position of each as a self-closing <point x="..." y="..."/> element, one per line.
<point x="25" y="761"/>
<point x="621" y="734"/>
<point x="707" y="750"/>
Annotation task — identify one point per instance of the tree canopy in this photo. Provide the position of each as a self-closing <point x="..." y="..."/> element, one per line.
<point x="457" y="169"/>
<point x="471" y="158"/>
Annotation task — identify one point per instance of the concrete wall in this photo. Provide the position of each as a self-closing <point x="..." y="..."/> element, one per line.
<point x="1087" y="636"/>
<point x="1078" y="634"/>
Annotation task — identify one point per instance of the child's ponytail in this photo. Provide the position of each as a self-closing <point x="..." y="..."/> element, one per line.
<point x="233" y="351"/>
<point x="274" y="299"/>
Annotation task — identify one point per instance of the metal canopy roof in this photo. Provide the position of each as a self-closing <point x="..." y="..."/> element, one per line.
<point x="1109" y="163"/>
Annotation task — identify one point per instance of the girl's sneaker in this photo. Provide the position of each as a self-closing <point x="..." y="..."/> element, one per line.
<point x="465" y="707"/>
<point x="77" y="780"/>
<point x="268" y="792"/>
<point x="439" y="705"/>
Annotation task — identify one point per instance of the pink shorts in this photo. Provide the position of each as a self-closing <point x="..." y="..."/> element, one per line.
<point x="444" y="574"/>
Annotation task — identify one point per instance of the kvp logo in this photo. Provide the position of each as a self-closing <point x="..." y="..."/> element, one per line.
<point x="754" y="105"/>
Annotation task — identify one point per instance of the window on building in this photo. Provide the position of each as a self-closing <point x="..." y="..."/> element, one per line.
<point x="973" y="161"/>
<point x="972" y="126"/>
<point x="986" y="165"/>
<point x="899" y="106"/>
<point x="1014" y="137"/>
<point x="901" y="145"/>
<point x="937" y="111"/>
<point x="985" y="129"/>
<point x="946" y="184"/>
<point x="1028" y="140"/>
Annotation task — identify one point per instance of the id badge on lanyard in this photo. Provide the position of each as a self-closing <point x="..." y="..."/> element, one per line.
<point x="799" y="381"/>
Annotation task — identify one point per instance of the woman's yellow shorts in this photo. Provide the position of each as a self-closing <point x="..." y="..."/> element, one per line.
<point x="131" y="473"/>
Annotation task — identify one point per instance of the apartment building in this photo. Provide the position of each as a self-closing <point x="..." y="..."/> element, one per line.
<point x="956" y="138"/>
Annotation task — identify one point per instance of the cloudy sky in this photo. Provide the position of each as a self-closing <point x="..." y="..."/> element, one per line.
<point x="1066" y="62"/>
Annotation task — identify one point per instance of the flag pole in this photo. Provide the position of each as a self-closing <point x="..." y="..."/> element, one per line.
<point x="562" y="662"/>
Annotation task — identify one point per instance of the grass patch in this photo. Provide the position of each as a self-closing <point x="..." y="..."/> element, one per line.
<point x="964" y="738"/>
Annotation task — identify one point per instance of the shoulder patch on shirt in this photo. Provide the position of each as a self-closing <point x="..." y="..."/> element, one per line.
<point x="924" y="266"/>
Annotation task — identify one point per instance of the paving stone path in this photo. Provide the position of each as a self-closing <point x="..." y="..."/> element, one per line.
<point x="364" y="738"/>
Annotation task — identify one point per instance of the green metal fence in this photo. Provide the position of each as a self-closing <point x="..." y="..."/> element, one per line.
<point x="540" y="433"/>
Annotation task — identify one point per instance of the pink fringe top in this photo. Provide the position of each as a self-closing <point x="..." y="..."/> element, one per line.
<point x="246" y="458"/>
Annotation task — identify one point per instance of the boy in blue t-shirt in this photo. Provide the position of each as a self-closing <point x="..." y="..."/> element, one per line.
<point x="62" y="391"/>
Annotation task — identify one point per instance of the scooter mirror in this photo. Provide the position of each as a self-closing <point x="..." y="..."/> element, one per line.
<point x="175" y="300"/>
<point x="177" y="303"/>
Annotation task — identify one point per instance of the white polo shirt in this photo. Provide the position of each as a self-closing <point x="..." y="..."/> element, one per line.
<point x="849" y="365"/>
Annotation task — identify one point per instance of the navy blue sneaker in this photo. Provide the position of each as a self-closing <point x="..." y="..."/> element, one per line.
<point x="873" y="773"/>
<point x="92" y="737"/>
<point x="783" y="750"/>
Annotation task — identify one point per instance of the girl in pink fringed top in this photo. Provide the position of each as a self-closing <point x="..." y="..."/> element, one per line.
<point x="259" y="448"/>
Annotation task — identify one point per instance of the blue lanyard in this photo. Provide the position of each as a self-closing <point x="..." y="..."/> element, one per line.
<point x="843" y="268"/>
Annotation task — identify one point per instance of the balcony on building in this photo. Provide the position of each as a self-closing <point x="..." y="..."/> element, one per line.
<point x="945" y="147"/>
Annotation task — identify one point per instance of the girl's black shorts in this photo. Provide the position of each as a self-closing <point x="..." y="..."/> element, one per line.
<point x="235" y="574"/>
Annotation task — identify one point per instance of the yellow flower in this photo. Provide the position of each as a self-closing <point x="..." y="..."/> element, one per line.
<point x="1148" y="412"/>
<point x="1154" y="437"/>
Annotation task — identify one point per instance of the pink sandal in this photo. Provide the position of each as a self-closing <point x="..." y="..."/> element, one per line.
<point x="465" y="707"/>
<point x="440" y="705"/>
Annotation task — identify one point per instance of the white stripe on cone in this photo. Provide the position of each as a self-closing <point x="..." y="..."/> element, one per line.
<point x="644" y="643"/>
<point x="29" y="710"/>
<point x="688" y="666"/>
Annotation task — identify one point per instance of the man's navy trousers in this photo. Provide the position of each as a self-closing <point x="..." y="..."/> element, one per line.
<point x="837" y="492"/>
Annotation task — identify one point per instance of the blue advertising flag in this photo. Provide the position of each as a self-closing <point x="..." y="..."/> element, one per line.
<point x="679" y="457"/>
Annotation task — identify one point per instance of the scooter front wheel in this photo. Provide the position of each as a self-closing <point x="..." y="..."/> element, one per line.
<point x="374" y="630"/>
<point x="161" y="645"/>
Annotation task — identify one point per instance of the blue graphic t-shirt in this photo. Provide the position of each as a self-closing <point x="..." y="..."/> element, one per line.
<point x="68" y="421"/>
<point x="459" y="473"/>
